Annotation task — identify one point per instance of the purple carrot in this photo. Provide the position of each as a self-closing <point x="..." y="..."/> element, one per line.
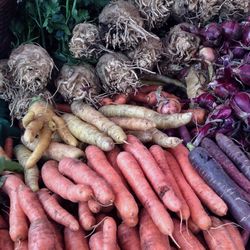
<point x="184" y="134"/>
<point x="226" y="163"/>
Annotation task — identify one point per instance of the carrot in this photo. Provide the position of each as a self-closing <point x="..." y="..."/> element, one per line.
<point x="63" y="107"/>
<point x="58" y="235"/>
<point x="56" y="150"/>
<point x="153" y="173"/>
<point x="120" y="99"/>
<point x="17" y="220"/>
<point x="151" y="237"/>
<point x="8" y="147"/>
<point x="86" y="218"/>
<point x="111" y="156"/>
<point x="185" y="237"/>
<point x="234" y="153"/>
<point x="138" y="97"/>
<point x="143" y="136"/>
<point x="5" y="241"/>
<point x="109" y="234"/>
<point x="59" y="184"/>
<point x="80" y="173"/>
<point x="136" y="179"/>
<point x="106" y="101"/>
<point x="133" y="123"/>
<point x="217" y="237"/>
<point x="204" y="192"/>
<point x="161" y="121"/>
<point x="55" y="211"/>
<point x="88" y="133"/>
<point x="198" y="214"/>
<point x="159" y="155"/>
<point x="75" y="240"/>
<point x="31" y="175"/>
<point x="97" y="119"/>
<point x="21" y="245"/>
<point x="124" y="201"/>
<point x="41" y="232"/>
<point x="3" y="223"/>
<point x="198" y="115"/>
<point x="234" y="234"/>
<point x="164" y="140"/>
<point x="99" y="221"/>
<point x="96" y="241"/>
<point x="193" y="227"/>
<point x="94" y="206"/>
<point x="128" y="237"/>
<point x="245" y="235"/>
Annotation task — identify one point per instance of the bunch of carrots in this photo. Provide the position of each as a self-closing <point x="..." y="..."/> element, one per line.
<point x="131" y="197"/>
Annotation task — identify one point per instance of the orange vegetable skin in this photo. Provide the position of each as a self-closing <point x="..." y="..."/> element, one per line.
<point x="86" y="218"/>
<point x="59" y="184"/>
<point x="17" y="219"/>
<point x="83" y="174"/>
<point x="96" y="241"/>
<point x="136" y="179"/>
<point x="153" y="173"/>
<point x="75" y="240"/>
<point x="151" y="237"/>
<point x="109" y="234"/>
<point x="124" y="201"/>
<point x="21" y="245"/>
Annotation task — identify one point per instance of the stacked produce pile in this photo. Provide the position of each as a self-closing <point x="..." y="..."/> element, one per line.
<point x="143" y="144"/>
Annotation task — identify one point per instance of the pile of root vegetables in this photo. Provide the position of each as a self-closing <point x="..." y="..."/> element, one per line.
<point x="142" y="144"/>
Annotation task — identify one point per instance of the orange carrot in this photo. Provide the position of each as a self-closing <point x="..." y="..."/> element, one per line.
<point x="59" y="184"/>
<point x="185" y="238"/>
<point x="41" y="231"/>
<point x="153" y="173"/>
<point x="120" y="99"/>
<point x="8" y="147"/>
<point x="75" y="240"/>
<point x="198" y="214"/>
<point x="99" y="221"/>
<point x="21" y="245"/>
<point x="136" y="179"/>
<point x="151" y="237"/>
<point x="63" y="107"/>
<point x="94" y="206"/>
<point x="17" y="220"/>
<point x="203" y="191"/>
<point x="217" y="237"/>
<point x="193" y="227"/>
<point x="159" y="155"/>
<point x="83" y="174"/>
<point x="111" y="156"/>
<point x="109" y="234"/>
<point x="55" y="211"/>
<point x="198" y="115"/>
<point x="106" y="101"/>
<point x="58" y="235"/>
<point x="5" y="241"/>
<point x="234" y="234"/>
<point x="86" y="218"/>
<point x="96" y="241"/>
<point x="124" y="201"/>
<point x="128" y="237"/>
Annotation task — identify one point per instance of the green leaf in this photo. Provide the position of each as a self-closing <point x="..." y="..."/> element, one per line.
<point x="10" y="166"/>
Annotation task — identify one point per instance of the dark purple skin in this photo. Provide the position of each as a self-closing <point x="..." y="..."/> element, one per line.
<point x="245" y="236"/>
<point x="222" y="184"/>
<point x="238" y="52"/>
<point x="223" y="88"/>
<point x="211" y="34"/>
<point x="246" y="36"/>
<point x="226" y="163"/>
<point x="243" y="73"/>
<point x="205" y="100"/>
<point x="234" y="152"/>
<point x="231" y="30"/>
<point x="246" y="59"/>
<point x="184" y="134"/>
<point x="220" y="112"/>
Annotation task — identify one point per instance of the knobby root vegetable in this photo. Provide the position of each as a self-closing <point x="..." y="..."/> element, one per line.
<point x="124" y="200"/>
<point x="81" y="173"/>
<point x="133" y="123"/>
<point x="31" y="175"/>
<point x="17" y="220"/>
<point x="56" y="150"/>
<point x="62" y="186"/>
<point x="109" y="231"/>
<point x="96" y="241"/>
<point x="117" y="74"/>
<point x="86" y="218"/>
<point x="78" y="82"/>
<point x="94" y="206"/>
<point x="87" y="133"/>
<point x="97" y="119"/>
<point x="86" y="41"/>
<point x="150" y="236"/>
<point x="55" y="211"/>
<point x="139" y="184"/>
<point x="154" y="174"/>
<point x="74" y="240"/>
<point x="161" y="121"/>
<point x="143" y="136"/>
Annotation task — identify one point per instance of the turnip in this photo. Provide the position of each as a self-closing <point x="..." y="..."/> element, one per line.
<point x="31" y="67"/>
<point x="116" y="74"/>
<point x="121" y="25"/>
<point x="85" y="41"/>
<point x="78" y="82"/>
<point x="155" y="12"/>
<point x="146" y="54"/>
